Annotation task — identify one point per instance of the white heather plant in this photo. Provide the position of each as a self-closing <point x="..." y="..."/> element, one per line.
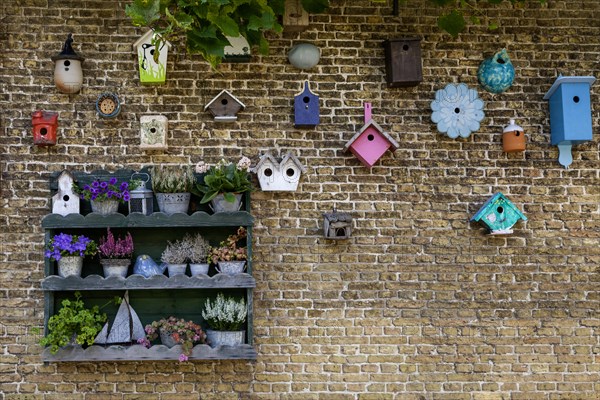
<point x="175" y="253"/>
<point x="198" y="248"/>
<point x="225" y="314"/>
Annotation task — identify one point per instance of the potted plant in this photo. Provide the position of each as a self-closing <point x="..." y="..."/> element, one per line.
<point x="197" y="249"/>
<point x="69" y="251"/>
<point x="172" y="185"/>
<point x="115" y="254"/>
<point x="230" y="258"/>
<point x="175" y="256"/>
<point x="173" y="331"/>
<point x="105" y="196"/>
<point x="226" y="317"/>
<point x="73" y="324"/>
<point x="224" y="183"/>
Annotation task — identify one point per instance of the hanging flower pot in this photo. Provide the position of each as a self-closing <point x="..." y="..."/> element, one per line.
<point x="496" y="74"/>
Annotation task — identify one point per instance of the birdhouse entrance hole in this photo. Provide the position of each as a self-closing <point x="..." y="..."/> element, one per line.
<point x="576" y="99"/>
<point x="405" y="47"/>
<point x="268" y="172"/>
<point x="224" y="102"/>
<point x="66" y="197"/>
<point x="43" y="131"/>
<point x="306" y="99"/>
<point x="457" y="110"/>
<point x="290" y="172"/>
<point x="501" y="60"/>
<point x="370" y="138"/>
<point x="340" y="232"/>
<point x="500" y="210"/>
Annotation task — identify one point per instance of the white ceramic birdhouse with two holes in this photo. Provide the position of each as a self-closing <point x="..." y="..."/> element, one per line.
<point x="337" y="225"/>
<point x="306" y="108"/>
<point x="499" y="215"/>
<point x="153" y="132"/>
<point x="153" y="68"/>
<point x="282" y="176"/>
<point x="224" y="107"/>
<point x="371" y="141"/>
<point x="65" y="201"/>
<point x="68" y="75"/>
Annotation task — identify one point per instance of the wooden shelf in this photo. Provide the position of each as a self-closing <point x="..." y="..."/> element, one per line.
<point x="138" y="282"/>
<point x="138" y="352"/>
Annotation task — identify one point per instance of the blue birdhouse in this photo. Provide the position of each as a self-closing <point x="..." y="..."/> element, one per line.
<point x="306" y="108"/>
<point x="570" y="114"/>
<point x="499" y="214"/>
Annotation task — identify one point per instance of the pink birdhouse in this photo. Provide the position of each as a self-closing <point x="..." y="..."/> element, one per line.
<point x="370" y="142"/>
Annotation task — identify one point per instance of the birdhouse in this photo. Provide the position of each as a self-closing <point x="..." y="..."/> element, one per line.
<point x="68" y="76"/>
<point x="65" y="201"/>
<point x="370" y="142"/>
<point x="45" y="125"/>
<point x="224" y="107"/>
<point x="237" y="51"/>
<point x="570" y="114"/>
<point x="281" y="176"/>
<point x="337" y="225"/>
<point x="153" y="71"/>
<point x="499" y="214"/>
<point x="153" y="132"/>
<point x="108" y="105"/>
<point x="403" y="62"/>
<point x="513" y="138"/>
<point x="304" y="55"/>
<point x="306" y="108"/>
<point x="295" y="17"/>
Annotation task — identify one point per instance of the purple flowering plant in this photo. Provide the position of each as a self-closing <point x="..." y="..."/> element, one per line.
<point x="63" y="245"/>
<point x="105" y="190"/>
<point x="185" y="333"/>
<point x="111" y="247"/>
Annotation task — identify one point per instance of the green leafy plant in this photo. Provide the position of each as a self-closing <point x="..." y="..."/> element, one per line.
<point x="74" y="322"/>
<point x="224" y="178"/>
<point x="172" y="179"/>
<point x="225" y="314"/>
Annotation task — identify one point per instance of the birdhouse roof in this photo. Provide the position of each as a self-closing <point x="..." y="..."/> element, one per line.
<point x="294" y="159"/>
<point x="337" y="217"/>
<point x="568" y="79"/>
<point x="263" y="159"/>
<point x="495" y="200"/>
<point x="146" y="38"/>
<point x="225" y="92"/>
<point x="269" y="157"/>
<point x="306" y="90"/>
<point x="379" y="129"/>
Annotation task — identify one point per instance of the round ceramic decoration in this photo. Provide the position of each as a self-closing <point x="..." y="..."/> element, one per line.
<point x="108" y="105"/>
<point x="457" y="110"/>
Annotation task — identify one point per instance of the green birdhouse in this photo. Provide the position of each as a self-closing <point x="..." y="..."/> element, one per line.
<point x="499" y="214"/>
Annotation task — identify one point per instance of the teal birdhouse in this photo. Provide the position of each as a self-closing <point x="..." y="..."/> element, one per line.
<point x="499" y="214"/>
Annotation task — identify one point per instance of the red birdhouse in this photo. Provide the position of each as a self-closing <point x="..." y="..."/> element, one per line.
<point x="45" y="124"/>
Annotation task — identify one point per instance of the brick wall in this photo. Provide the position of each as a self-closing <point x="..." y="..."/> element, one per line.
<point x="419" y="303"/>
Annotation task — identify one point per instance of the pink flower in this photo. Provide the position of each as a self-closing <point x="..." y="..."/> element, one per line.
<point x="183" y="357"/>
<point x="201" y="167"/>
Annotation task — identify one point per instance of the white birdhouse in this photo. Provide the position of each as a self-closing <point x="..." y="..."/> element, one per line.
<point x="151" y="71"/>
<point x="153" y="132"/>
<point x="281" y="176"/>
<point x="65" y="201"/>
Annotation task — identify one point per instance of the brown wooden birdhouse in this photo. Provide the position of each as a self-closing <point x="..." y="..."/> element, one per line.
<point x="337" y="225"/>
<point x="45" y="125"/>
<point x="403" y="62"/>
<point x="224" y="107"/>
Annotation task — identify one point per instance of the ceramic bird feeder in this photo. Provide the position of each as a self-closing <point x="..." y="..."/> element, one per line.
<point x="153" y="132"/>
<point x="45" y="125"/>
<point x="68" y="76"/>
<point x="153" y="71"/>
<point x="570" y="114"/>
<point x="513" y="138"/>
<point x="65" y="201"/>
<point x="224" y="107"/>
<point x="371" y="141"/>
<point x="306" y="108"/>
<point x="108" y="105"/>
<point x="496" y="74"/>
<point x="499" y="214"/>
<point x="457" y="110"/>
<point x="304" y="55"/>
<point x="403" y="64"/>
<point x="337" y="225"/>
<point x="281" y="176"/>
<point x="238" y="50"/>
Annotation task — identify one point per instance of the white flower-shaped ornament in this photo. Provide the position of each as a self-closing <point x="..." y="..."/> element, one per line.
<point x="457" y="110"/>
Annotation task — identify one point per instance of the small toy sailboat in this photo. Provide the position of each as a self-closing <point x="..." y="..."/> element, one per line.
<point x="126" y="328"/>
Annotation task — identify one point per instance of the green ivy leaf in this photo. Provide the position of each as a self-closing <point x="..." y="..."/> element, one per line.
<point x="266" y="21"/>
<point x="143" y="12"/>
<point x="493" y="26"/>
<point x="315" y="6"/>
<point x="227" y="25"/>
<point x="453" y="23"/>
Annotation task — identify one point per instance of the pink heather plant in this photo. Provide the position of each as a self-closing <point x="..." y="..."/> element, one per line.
<point x="185" y="333"/>
<point x="115" y="248"/>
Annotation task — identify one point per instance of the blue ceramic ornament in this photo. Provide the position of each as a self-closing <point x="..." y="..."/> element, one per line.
<point x="496" y="74"/>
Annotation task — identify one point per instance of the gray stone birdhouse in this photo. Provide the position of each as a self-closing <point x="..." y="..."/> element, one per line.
<point x="337" y="225"/>
<point x="224" y="107"/>
<point x="65" y="201"/>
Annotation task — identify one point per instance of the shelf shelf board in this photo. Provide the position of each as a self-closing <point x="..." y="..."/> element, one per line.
<point x="137" y="352"/>
<point x="138" y="282"/>
<point x="157" y="219"/>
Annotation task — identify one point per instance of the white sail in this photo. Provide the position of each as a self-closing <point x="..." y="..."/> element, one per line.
<point x="126" y="327"/>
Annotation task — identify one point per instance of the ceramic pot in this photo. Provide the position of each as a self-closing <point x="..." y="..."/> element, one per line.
<point x="225" y="338"/>
<point x="70" y="265"/>
<point x="496" y="74"/>
<point x="231" y="267"/>
<point x="199" y="269"/>
<point x="166" y="338"/>
<point x="176" y="269"/>
<point x="171" y="203"/>
<point x="105" y="207"/>
<point x="115" y="266"/>
<point x="513" y="138"/>
<point x="219" y="204"/>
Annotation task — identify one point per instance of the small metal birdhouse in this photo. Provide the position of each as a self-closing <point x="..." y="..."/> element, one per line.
<point x="238" y="50"/>
<point x="281" y="176"/>
<point x="153" y="132"/>
<point x="141" y="198"/>
<point x="337" y="225"/>
<point x="513" y="138"/>
<point x="68" y="76"/>
<point x="371" y="141"/>
<point x="403" y="64"/>
<point x="152" y="71"/>
<point x="499" y="214"/>
<point x="65" y="201"/>
<point x="570" y="114"/>
<point x="224" y="107"/>
<point x="306" y="108"/>
<point x="45" y="125"/>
